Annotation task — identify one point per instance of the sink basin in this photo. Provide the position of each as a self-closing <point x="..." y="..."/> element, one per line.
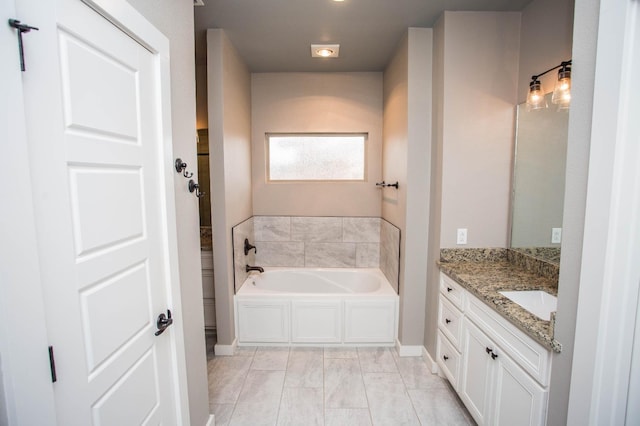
<point x="539" y="303"/>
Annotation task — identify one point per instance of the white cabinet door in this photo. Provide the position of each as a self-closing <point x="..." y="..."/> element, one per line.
<point x="477" y="372"/>
<point x="263" y="322"/>
<point x="370" y="321"/>
<point x="316" y="322"/>
<point x="517" y="399"/>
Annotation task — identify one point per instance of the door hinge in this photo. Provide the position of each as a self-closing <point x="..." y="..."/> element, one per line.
<point x="52" y="364"/>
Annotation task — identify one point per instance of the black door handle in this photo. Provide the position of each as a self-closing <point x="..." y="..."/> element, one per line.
<point x="163" y="322"/>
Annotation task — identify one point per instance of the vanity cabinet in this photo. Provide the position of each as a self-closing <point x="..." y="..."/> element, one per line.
<point x="500" y="373"/>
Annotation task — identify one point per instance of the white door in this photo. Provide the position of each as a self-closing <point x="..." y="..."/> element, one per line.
<point x="98" y="140"/>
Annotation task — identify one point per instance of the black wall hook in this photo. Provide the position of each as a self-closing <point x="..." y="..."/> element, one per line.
<point x="195" y="187"/>
<point x="181" y="167"/>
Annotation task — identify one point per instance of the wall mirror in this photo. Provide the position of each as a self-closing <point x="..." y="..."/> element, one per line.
<point x="538" y="181"/>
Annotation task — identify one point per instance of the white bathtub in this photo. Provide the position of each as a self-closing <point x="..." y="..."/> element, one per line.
<point x="318" y="307"/>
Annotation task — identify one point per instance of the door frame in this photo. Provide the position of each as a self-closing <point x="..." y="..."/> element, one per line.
<point x="25" y="313"/>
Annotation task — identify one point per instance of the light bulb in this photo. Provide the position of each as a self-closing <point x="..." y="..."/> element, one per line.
<point x="535" y="97"/>
<point x="324" y="52"/>
<point x="562" y="89"/>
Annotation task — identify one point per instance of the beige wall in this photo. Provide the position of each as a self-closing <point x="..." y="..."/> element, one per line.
<point x="480" y="88"/>
<point x="407" y="158"/>
<point x="229" y="94"/>
<point x="317" y="102"/>
<point x="433" y="253"/>
<point x="545" y="41"/>
<point x="175" y="20"/>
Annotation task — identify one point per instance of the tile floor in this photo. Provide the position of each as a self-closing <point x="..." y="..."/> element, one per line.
<point x="331" y="386"/>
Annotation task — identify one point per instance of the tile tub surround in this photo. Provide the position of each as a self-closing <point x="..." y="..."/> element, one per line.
<point x="334" y="386"/>
<point x="390" y="252"/>
<point x="485" y="278"/>
<point x="322" y="242"/>
<point x="239" y="233"/>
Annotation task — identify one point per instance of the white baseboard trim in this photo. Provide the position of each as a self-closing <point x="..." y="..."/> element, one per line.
<point x="408" y="350"/>
<point x="433" y="366"/>
<point x="225" y="350"/>
<point x="211" y="421"/>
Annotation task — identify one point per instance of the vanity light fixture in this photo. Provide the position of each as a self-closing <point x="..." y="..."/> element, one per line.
<point x="561" y="93"/>
<point x="325" y="50"/>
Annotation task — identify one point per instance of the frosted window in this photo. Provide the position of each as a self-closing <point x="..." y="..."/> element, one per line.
<point x="316" y="157"/>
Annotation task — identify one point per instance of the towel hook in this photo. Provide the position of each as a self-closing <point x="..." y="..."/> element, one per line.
<point x="195" y="187"/>
<point x="182" y="167"/>
<point x="383" y="184"/>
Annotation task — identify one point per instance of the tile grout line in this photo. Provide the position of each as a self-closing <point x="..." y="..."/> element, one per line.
<point x="406" y="388"/>
<point x="324" y="403"/>
<point x="283" y="382"/>
<point x="366" y="394"/>
<point x="244" y="382"/>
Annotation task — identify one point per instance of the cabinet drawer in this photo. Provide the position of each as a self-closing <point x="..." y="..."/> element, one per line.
<point x="448" y="359"/>
<point x="206" y="257"/>
<point x="450" y="322"/>
<point x="534" y="358"/>
<point x="452" y="291"/>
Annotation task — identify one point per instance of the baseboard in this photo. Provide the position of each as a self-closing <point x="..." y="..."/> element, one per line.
<point x="211" y="421"/>
<point x="408" y="350"/>
<point x="225" y="350"/>
<point x="433" y="366"/>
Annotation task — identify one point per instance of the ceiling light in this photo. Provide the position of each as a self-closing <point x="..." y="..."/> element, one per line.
<point x="325" y="50"/>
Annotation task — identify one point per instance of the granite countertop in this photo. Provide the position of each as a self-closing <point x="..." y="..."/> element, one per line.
<point x="485" y="278"/>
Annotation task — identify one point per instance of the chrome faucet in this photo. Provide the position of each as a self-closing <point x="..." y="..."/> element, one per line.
<point x="254" y="268"/>
<point x="248" y="247"/>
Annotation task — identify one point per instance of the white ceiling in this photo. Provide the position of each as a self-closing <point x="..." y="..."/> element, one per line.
<point x="275" y="35"/>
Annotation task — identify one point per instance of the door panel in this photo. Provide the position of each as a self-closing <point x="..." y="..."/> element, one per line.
<point x="106" y="332"/>
<point x="107" y="206"/>
<point x="108" y="103"/>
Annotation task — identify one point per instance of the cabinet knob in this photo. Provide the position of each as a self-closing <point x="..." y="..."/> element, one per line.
<point x="445" y="357"/>
<point x="447" y="320"/>
<point x="489" y="350"/>
<point x="449" y="289"/>
<point x="494" y="355"/>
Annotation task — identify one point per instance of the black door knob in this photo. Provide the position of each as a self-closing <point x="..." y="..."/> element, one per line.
<point x="163" y="322"/>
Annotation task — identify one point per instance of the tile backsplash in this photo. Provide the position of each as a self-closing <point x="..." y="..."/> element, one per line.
<point x="319" y="242"/>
